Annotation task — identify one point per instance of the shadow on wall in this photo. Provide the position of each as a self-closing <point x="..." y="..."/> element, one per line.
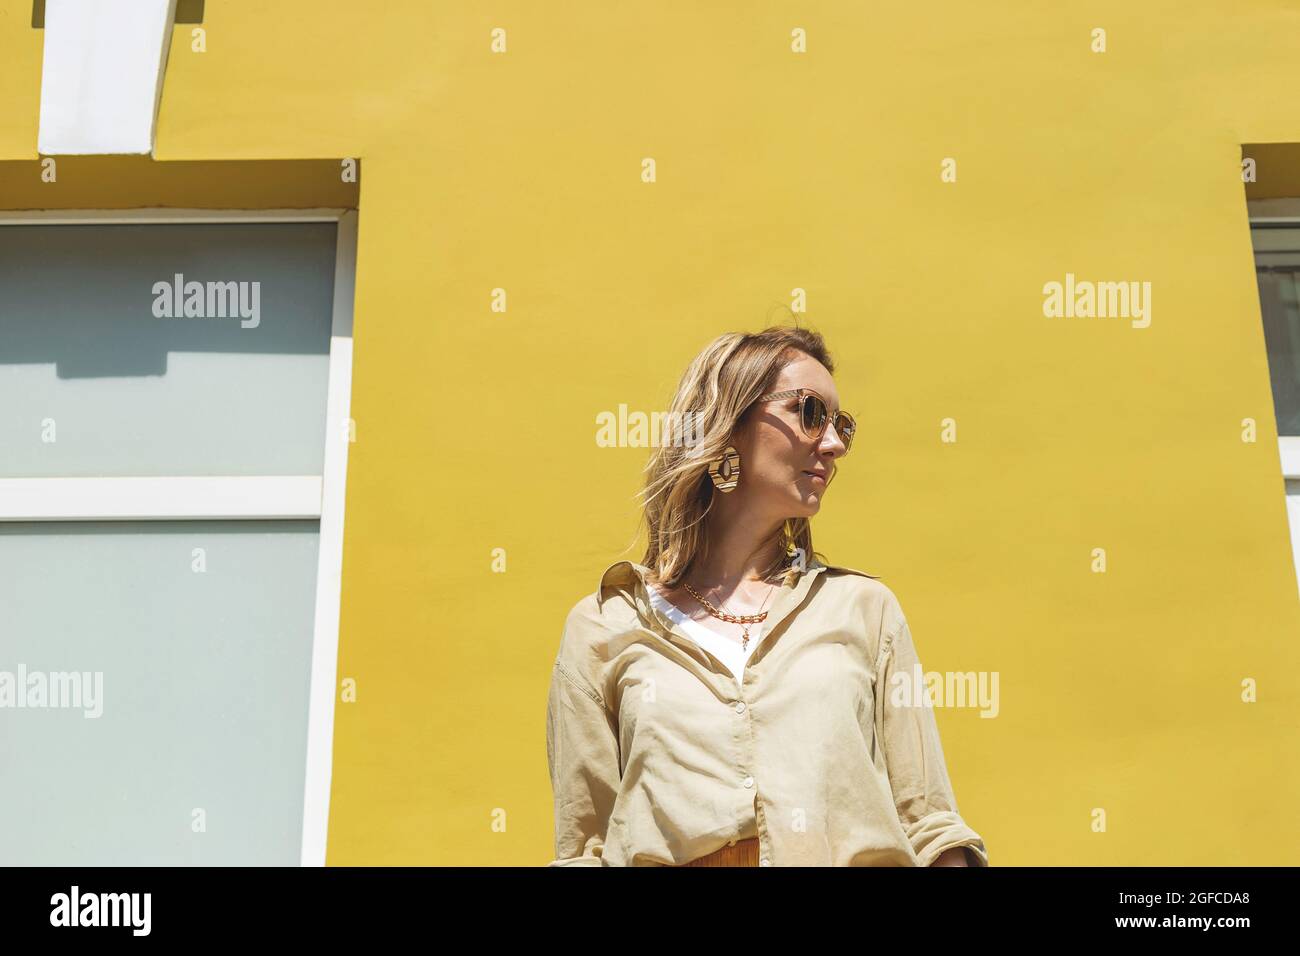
<point x="187" y="11"/>
<point x="85" y="296"/>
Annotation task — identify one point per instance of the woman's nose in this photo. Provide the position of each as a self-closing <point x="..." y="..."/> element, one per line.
<point x="831" y="441"/>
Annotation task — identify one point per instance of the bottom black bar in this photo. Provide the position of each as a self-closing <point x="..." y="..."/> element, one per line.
<point x="937" y="905"/>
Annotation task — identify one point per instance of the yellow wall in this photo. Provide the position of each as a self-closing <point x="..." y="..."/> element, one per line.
<point x="475" y="430"/>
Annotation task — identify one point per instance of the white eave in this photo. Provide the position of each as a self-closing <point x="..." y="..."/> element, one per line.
<point x="102" y="75"/>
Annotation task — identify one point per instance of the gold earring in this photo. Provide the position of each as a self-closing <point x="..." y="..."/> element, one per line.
<point x="725" y="471"/>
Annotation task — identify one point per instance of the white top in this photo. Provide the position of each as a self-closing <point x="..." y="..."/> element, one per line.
<point x="727" y="651"/>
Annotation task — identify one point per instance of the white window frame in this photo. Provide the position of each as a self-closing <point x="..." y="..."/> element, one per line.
<point x="1273" y="212"/>
<point x="233" y="497"/>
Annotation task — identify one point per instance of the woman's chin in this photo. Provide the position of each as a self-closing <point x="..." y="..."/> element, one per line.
<point x="809" y="504"/>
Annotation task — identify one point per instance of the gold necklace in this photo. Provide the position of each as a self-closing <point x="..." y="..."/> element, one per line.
<point x="744" y="620"/>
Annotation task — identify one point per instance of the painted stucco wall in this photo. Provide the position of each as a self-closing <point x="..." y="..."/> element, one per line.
<point x="776" y="170"/>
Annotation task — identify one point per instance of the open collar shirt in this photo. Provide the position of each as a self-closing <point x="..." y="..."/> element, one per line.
<point x="660" y="754"/>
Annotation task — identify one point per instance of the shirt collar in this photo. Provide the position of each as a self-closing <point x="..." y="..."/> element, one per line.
<point x="623" y="577"/>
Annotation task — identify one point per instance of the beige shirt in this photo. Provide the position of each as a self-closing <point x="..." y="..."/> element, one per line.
<point x="659" y="755"/>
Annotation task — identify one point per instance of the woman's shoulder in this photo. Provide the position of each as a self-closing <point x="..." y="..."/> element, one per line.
<point x="843" y="569"/>
<point x="848" y="577"/>
<point x="595" y="621"/>
<point x="611" y="600"/>
<point x="865" y="588"/>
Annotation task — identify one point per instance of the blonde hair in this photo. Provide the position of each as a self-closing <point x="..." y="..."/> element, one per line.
<point x="713" y="398"/>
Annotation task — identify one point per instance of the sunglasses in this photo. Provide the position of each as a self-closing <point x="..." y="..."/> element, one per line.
<point x="813" y="415"/>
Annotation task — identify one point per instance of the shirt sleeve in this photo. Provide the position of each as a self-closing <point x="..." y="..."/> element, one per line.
<point x="909" y="736"/>
<point x="582" y="751"/>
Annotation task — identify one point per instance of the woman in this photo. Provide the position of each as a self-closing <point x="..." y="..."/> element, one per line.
<point x="731" y="700"/>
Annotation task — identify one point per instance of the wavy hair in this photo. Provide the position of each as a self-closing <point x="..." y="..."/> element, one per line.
<point x="713" y="399"/>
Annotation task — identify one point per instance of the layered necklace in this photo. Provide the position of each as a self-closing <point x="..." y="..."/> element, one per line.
<point x="744" y="620"/>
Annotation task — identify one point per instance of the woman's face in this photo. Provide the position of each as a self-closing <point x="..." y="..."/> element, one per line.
<point x="783" y="472"/>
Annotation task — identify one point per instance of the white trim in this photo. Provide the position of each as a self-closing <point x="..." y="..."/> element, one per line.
<point x="162" y="214"/>
<point x="163" y="55"/>
<point x="160" y="499"/>
<point x="329" y="578"/>
<point x="102" y="68"/>
<point x="1288" y="448"/>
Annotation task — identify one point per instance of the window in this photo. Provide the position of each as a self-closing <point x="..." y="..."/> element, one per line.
<point x="1275" y="234"/>
<point x="174" y="400"/>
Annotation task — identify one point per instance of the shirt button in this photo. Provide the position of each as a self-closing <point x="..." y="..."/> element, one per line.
<point x="765" y="862"/>
<point x="749" y="782"/>
<point x="740" y="706"/>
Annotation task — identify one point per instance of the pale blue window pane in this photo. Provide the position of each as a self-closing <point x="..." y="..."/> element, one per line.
<point x="84" y="359"/>
<point x="205" y="678"/>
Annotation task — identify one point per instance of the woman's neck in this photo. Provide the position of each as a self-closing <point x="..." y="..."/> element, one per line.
<point x="738" y="555"/>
